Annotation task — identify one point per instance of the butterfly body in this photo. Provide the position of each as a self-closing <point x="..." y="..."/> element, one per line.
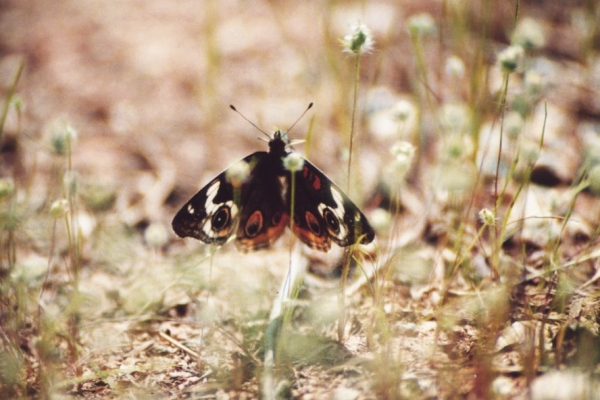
<point x="258" y="208"/>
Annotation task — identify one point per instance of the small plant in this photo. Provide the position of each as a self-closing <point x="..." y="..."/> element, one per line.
<point x="470" y="132"/>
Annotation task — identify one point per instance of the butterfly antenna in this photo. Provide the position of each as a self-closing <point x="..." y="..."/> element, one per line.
<point x="300" y="117"/>
<point x="251" y="123"/>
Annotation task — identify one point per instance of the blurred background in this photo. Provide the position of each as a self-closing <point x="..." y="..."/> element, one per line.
<point x="121" y="109"/>
<point x="147" y="86"/>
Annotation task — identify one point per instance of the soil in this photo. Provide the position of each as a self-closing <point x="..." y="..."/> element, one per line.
<point x="122" y="109"/>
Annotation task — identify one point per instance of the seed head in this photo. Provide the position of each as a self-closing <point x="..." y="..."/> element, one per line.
<point x="511" y="58"/>
<point x="359" y="40"/>
<point x="293" y="162"/>
<point x="59" y="208"/>
<point x="487" y="217"/>
<point x="455" y="67"/>
<point x="529" y="34"/>
<point x="237" y="173"/>
<point x="421" y="25"/>
<point x="156" y="234"/>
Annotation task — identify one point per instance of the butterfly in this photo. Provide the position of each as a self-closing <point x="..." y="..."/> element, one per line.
<point x="258" y="207"/>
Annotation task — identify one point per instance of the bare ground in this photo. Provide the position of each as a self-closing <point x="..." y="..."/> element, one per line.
<point x="441" y="306"/>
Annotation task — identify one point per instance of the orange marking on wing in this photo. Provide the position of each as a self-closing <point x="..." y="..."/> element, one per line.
<point x="263" y="240"/>
<point x="316" y="183"/>
<point x="316" y="242"/>
<point x="314" y="179"/>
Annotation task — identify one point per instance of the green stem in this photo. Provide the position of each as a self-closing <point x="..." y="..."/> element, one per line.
<point x="498" y="196"/>
<point x="352" y="122"/>
<point x="9" y="96"/>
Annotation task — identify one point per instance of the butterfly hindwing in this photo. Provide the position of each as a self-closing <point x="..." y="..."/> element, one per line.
<point x="322" y="212"/>
<point x="263" y="214"/>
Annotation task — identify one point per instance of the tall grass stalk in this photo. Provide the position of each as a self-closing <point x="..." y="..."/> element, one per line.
<point x="75" y="245"/>
<point x="419" y="26"/>
<point x="9" y="97"/>
<point x="8" y="246"/>
<point x="498" y="196"/>
<point x="277" y="332"/>
<point x="358" y="41"/>
<point x="13" y="296"/>
<point x="353" y="118"/>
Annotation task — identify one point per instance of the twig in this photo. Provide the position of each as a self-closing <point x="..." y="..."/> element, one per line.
<point x="178" y="344"/>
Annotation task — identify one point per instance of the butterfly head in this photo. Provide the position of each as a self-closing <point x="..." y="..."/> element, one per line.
<point x="251" y="200"/>
<point x="280" y="135"/>
<point x="279" y="142"/>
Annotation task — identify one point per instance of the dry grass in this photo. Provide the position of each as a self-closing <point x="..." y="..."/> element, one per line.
<point x="482" y="282"/>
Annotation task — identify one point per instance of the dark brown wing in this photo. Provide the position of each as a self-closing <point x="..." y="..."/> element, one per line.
<point x="322" y="212"/>
<point x="212" y="214"/>
<point x="263" y="213"/>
